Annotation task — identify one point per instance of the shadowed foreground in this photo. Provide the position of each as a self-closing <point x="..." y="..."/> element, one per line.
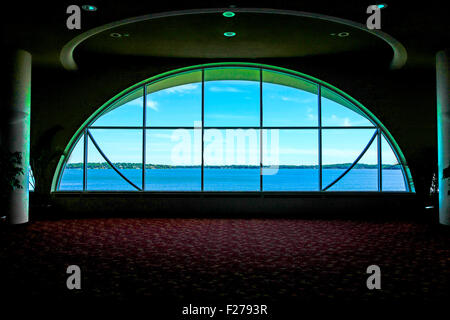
<point x="182" y="261"/>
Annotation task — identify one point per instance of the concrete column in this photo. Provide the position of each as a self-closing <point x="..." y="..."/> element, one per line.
<point x="18" y="131"/>
<point x="443" y="124"/>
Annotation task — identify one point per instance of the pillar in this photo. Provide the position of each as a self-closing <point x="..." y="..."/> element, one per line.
<point x="17" y="138"/>
<point x="443" y="124"/>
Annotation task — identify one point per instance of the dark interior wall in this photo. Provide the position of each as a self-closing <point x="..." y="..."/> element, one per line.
<point x="5" y="94"/>
<point x="404" y="100"/>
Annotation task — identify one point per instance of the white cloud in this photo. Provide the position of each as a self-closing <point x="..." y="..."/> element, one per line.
<point x="135" y="103"/>
<point x="335" y="120"/>
<point x="161" y="135"/>
<point x="346" y="122"/>
<point x="332" y="156"/>
<point x="182" y="89"/>
<point x="289" y="99"/>
<point x="310" y="114"/>
<point x="152" y="104"/>
<point x="298" y="100"/>
<point x="224" y="89"/>
<point x="292" y="151"/>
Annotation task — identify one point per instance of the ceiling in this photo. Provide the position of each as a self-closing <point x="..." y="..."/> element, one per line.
<point x="41" y="29"/>
<point x="202" y="36"/>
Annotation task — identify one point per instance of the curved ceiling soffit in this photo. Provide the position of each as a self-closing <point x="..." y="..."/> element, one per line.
<point x="68" y="62"/>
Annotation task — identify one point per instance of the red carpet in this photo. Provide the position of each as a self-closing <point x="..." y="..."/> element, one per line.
<point x="238" y="260"/>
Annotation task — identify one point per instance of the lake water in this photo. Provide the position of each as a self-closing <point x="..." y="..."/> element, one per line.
<point x="215" y="179"/>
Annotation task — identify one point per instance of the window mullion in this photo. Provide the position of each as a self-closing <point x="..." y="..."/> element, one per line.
<point x="203" y="130"/>
<point x="260" y="130"/>
<point x="85" y="159"/>
<point x="144" y="136"/>
<point x="319" y="95"/>
<point x="380" y="163"/>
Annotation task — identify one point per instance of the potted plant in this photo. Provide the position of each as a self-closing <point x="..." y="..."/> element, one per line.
<point x="10" y="169"/>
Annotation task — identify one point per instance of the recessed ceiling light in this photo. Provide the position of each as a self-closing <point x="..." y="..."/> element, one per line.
<point x="118" y="35"/>
<point x="340" y="34"/>
<point x="382" y="5"/>
<point x="343" y="34"/>
<point x="228" y="14"/>
<point x="229" y="34"/>
<point x="88" y="7"/>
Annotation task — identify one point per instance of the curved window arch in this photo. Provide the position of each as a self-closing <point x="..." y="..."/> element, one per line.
<point x="232" y="127"/>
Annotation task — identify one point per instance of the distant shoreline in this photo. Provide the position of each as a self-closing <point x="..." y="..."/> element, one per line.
<point x="126" y="165"/>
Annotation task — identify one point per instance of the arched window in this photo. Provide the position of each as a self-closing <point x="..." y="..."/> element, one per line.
<point x="233" y="127"/>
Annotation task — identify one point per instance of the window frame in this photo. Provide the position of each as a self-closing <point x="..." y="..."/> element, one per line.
<point x="380" y="130"/>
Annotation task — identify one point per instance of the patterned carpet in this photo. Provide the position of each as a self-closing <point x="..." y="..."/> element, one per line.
<point x="220" y="260"/>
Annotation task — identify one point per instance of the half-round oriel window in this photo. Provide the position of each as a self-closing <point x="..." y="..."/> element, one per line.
<point x="232" y="127"/>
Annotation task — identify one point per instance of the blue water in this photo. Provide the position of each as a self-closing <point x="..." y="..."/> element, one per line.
<point x="189" y="179"/>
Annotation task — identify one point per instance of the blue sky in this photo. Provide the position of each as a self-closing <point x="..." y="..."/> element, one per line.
<point x="232" y="103"/>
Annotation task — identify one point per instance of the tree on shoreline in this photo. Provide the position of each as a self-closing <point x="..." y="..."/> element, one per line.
<point x="127" y="165"/>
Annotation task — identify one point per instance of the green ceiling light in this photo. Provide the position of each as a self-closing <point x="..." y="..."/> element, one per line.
<point x="381" y="5"/>
<point x="88" y="7"/>
<point x="229" y="34"/>
<point x="228" y="14"/>
<point x="343" y="34"/>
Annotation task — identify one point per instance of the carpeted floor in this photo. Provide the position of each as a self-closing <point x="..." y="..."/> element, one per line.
<point x="220" y="260"/>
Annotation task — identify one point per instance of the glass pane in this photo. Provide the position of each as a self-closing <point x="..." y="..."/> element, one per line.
<point x="340" y="148"/>
<point x="123" y="147"/>
<point x="231" y="160"/>
<point x="100" y="175"/>
<point x="393" y="179"/>
<point x="125" y="112"/>
<point x="290" y="159"/>
<point x="31" y="181"/>
<point x="173" y="160"/>
<point x="232" y="103"/>
<point x="339" y="112"/>
<point x="289" y="101"/>
<point x="72" y="177"/>
<point x="363" y="176"/>
<point x="175" y="101"/>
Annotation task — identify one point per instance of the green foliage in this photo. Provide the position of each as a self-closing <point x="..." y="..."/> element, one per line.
<point x="9" y="171"/>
